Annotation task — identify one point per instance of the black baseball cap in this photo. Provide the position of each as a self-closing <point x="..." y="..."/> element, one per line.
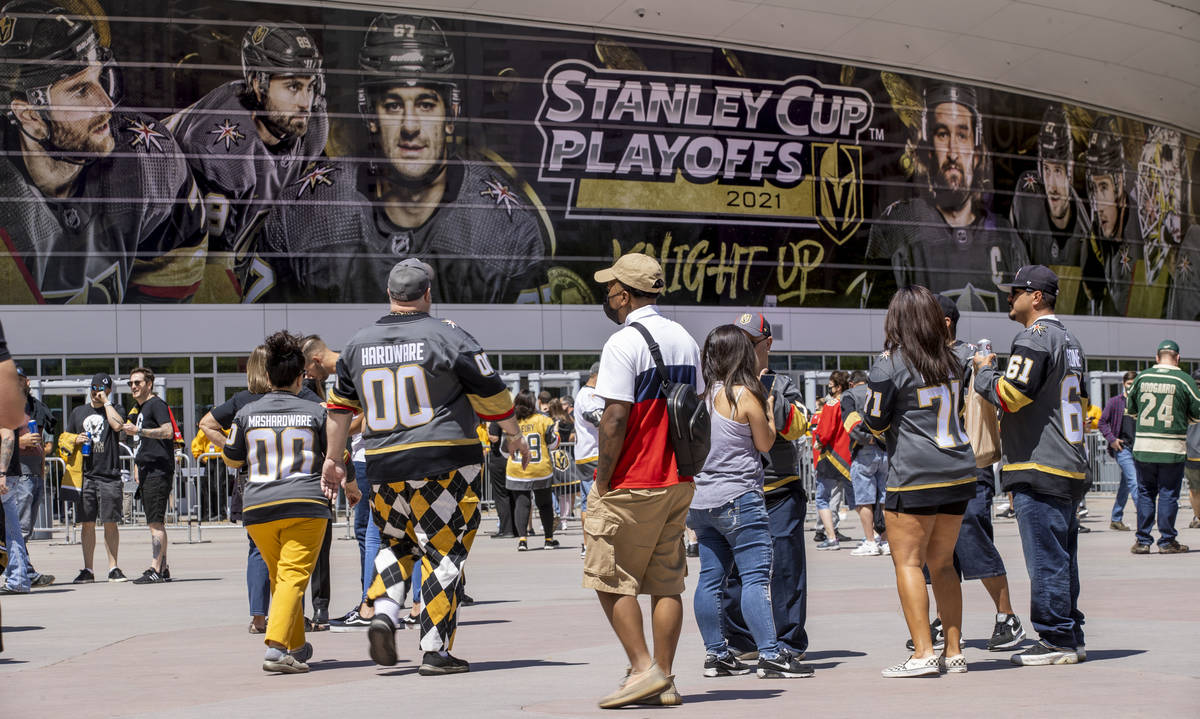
<point x="949" y="308"/>
<point x="1033" y="277"/>
<point x="101" y="381"/>
<point x="409" y="280"/>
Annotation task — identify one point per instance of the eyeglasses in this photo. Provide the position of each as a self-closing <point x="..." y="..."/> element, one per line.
<point x="136" y="382"/>
<point x="1016" y="291"/>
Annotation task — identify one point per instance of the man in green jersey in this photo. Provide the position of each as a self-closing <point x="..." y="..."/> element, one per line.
<point x="1163" y="400"/>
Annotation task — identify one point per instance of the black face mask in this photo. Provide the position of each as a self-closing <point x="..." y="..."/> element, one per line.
<point x="609" y="312"/>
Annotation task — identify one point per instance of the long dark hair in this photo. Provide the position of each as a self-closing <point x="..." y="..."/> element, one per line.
<point x="285" y="360"/>
<point x="525" y="404"/>
<point x="916" y="324"/>
<point x="729" y="358"/>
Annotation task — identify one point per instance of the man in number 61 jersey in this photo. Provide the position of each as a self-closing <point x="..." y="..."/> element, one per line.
<point x="423" y="384"/>
<point x="1044" y="402"/>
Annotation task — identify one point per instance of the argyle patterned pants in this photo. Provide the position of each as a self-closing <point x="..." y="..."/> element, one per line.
<point x="433" y="520"/>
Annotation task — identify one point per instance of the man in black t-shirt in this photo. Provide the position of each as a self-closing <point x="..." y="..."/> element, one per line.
<point x="97" y="426"/>
<point x="149" y="424"/>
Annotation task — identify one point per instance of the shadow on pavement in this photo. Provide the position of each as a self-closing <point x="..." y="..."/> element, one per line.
<point x="6" y="660"/>
<point x="724" y="695"/>
<point x="340" y="663"/>
<point x="477" y="622"/>
<point x="519" y="664"/>
<point x="43" y="590"/>
<point x="482" y="602"/>
<point x="31" y="628"/>
<point x="1099" y="655"/>
<point x="194" y="579"/>
<point x="832" y="654"/>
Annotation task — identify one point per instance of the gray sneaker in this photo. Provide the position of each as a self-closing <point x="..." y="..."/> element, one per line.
<point x="283" y="663"/>
<point x="1043" y="653"/>
<point x="43" y="580"/>
<point x="829" y="544"/>
<point x="303" y="654"/>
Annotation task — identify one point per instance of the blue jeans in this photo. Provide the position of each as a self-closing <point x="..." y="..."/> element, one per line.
<point x="19" y="572"/>
<point x="868" y="476"/>
<point x="1050" y="539"/>
<point x="789" y="576"/>
<point x="736" y="532"/>
<point x="365" y="530"/>
<point x="1128" y="486"/>
<point x="1159" y="482"/>
<point x="258" y="582"/>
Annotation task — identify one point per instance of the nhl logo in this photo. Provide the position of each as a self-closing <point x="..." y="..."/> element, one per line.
<point x="7" y="23"/>
<point x="260" y="33"/>
<point x="839" y="202"/>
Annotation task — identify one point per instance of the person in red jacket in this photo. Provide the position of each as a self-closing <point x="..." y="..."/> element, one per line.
<point x="833" y="464"/>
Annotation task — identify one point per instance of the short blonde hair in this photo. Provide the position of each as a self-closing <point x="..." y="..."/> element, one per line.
<point x="256" y="371"/>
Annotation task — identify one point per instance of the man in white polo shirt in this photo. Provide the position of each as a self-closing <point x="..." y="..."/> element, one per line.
<point x="638" y="505"/>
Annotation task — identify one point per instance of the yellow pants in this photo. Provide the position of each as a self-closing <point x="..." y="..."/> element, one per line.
<point x="290" y="548"/>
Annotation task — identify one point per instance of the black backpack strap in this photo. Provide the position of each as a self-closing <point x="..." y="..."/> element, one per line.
<point x="654" y="352"/>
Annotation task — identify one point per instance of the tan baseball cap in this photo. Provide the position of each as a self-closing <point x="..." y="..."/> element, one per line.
<point x="641" y="272"/>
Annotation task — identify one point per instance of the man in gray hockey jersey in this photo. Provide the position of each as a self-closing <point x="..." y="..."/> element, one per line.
<point x="248" y="142"/>
<point x="1043" y="398"/>
<point x="423" y="385"/>
<point x="946" y="239"/>
<point x="99" y="206"/>
<point x="1049" y="215"/>
<point x="354" y="220"/>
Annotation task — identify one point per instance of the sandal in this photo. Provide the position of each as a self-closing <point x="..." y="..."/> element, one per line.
<point x="255" y="630"/>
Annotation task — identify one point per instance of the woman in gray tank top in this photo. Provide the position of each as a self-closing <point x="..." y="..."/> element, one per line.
<point x="728" y="512"/>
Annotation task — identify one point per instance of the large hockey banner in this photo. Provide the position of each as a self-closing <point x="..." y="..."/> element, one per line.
<point x="169" y="151"/>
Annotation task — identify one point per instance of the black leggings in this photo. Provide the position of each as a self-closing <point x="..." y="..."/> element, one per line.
<point x="544" y="498"/>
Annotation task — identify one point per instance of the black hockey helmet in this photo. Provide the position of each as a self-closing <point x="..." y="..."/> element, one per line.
<point x="964" y="95"/>
<point x="280" y="48"/>
<point x="405" y="49"/>
<point x="1054" y="137"/>
<point x="40" y="44"/>
<point x="1105" y="150"/>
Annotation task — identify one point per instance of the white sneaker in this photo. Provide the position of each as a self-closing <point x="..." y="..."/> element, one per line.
<point x="885" y="549"/>
<point x="866" y="549"/>
<point x="929" y="666"/>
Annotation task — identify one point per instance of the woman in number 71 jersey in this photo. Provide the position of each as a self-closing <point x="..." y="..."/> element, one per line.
<point x="915" y="391"/>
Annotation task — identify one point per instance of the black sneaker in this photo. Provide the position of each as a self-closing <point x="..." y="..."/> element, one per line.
<point x="351" y="621"/>
<point x="166" y="573"/>
<point x="149" y="577"/>
<point x="116" y="575"/>
<point x="819" y="536"/>
<point x="551" y="543"/>
<point x="785" y="666"/>
<point x="935" y="633"/>
<point x="841" y="537"/>
<point x="434" y="664"/>
<point x="467" y="600"/>
<point x="1007" y="634"/>
<point x="1083" y="528"/>
<point x="522" y="546"/>
<point x="1043" y="654"/>
<point x="381" y="637"/>
<point x="43" y="580"/>
<point x="693" y="551"/>
<point x="85" y="577"/>
<point x="725" y="666"/>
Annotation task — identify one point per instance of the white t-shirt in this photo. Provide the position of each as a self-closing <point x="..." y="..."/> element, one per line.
<point x="587" y="435"/>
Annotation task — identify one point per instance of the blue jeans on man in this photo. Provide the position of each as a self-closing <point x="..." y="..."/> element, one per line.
<point x="789" y="576"/>
<point x="1161" y="482"/>
<point x="365" y="531"/>
<point x="1049" y="531"/>
<point x="1128" y="486"/>
<point x="736" y="532"/>
<point x="19" y="573"/>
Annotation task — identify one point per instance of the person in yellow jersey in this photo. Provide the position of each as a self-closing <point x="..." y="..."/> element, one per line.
<point x="531" y="484"/>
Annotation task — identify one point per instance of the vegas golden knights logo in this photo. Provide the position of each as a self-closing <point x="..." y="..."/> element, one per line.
<point x="260" y="32"/>
<point x="839" y="201"/>
<point x="7" y="23"/>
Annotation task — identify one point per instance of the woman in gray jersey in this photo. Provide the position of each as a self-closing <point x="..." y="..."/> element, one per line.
<point x="915" y="393"/>
<point x="728" y="511"/>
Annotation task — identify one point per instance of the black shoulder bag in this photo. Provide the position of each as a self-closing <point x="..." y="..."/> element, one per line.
<point x="687" y="414"/>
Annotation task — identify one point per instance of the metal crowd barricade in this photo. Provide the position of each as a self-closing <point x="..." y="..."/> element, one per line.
<point x="55" y="507"/>
<point x="565" y="484"/>
<point x="1106" y="473"/>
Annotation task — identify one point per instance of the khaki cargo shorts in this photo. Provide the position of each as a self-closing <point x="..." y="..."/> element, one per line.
<point x="634" y="540"/>
<point x="1193" y="480"/>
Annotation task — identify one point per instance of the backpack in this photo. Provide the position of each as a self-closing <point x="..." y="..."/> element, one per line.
<point x="687" y="415"/>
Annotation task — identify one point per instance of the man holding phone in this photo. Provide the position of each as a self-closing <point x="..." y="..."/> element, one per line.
<point x="97" y="426"/>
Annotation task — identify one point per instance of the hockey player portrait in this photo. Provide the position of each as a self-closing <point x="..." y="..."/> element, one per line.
<point x="247" y="141"/>
<point x="946" y="239"/>
<point x="352" y="221"/>
<point x="1113" y="262"/>
<point x="1049" y="215"/>
<point x="99" y="204"/>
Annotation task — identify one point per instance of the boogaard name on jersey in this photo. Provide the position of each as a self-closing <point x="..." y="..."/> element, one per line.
<point x="255" y="421"/>
<point x="391" y="354"/>
<point x="1158" y="387"/>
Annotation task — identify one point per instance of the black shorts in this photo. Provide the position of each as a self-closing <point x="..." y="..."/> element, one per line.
<point x="155" y="483"/>
<point x="957" y="508"/>
<point x="100" y="501"/>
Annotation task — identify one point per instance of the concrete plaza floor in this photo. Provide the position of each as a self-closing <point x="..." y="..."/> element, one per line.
<point x="540" y="646"/>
